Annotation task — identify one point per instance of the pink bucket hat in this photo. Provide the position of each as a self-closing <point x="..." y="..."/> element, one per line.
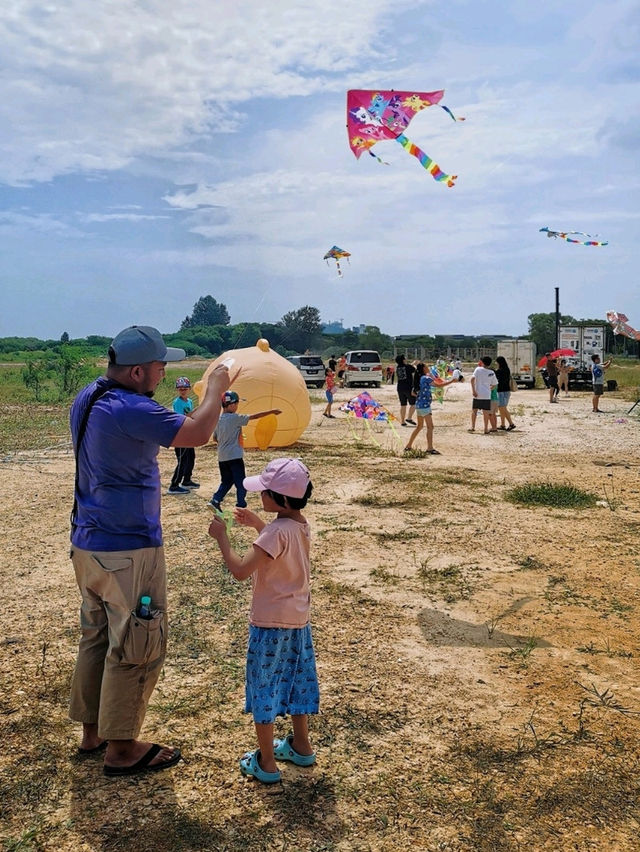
<point x="284" y="476"/>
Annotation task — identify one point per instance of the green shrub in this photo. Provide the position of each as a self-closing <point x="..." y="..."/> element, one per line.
<point x="560" y="496"/>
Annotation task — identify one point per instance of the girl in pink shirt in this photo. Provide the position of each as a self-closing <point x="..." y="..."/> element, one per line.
<point x="329" y="377"/>
<point x="281" y="669"/>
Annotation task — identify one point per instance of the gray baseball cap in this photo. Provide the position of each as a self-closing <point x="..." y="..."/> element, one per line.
<point x="141" y="344"/>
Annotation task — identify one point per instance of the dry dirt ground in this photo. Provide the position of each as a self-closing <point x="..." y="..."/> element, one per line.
<point x="478" y="659"/>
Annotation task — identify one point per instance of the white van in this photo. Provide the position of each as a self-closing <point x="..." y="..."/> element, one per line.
<point x="311" y="367"/>
<point x="363" y="367"/>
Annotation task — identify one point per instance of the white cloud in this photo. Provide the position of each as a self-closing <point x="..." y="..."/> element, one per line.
<point x="12" y="222"/>
<point x="127" y="217"/>
<point x="88" y="86"/>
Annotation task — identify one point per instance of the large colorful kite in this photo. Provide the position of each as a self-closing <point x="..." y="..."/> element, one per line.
<point x="373" y="116"/>
<point x="564" y="235"/>
<point x="620" y="325"/>
<point x="336" y="253"/>
<point x="364" y="408"/>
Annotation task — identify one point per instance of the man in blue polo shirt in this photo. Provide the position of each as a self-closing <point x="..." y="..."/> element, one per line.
<point x="116" y="543"/>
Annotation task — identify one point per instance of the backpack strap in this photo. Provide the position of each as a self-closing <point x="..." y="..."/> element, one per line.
<point x="100" y="391"/>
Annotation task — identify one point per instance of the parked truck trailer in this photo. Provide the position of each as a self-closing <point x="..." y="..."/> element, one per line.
<point x="520" y="355"/>
<point x="585" y="341"/>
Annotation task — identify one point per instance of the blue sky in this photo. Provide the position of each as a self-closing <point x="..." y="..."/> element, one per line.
<point x="152" y="153"/>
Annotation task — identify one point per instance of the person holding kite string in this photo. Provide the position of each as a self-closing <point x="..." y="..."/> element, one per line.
<point x="597" y="374"/>
<point x="563" y="376"/>
<point x="329" y="377"/>
<point x="423" y="408"/>
<point x="281" y="667"/>
<point x="116" y="543"/>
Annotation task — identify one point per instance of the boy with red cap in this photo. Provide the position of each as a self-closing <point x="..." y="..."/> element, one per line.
<point x="281" y="668"/>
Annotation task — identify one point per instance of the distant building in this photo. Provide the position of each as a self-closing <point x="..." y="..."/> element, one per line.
<point x="334" y="327"/>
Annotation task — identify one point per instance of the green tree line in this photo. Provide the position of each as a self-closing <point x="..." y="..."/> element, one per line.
<point x="56" y="369"/>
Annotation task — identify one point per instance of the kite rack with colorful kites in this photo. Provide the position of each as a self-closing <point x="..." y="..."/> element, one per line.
<point x="564" y="235"/>
<point x="373" y="116"/>
<point x="620" y="325"/>
<point x="336" y="253"/>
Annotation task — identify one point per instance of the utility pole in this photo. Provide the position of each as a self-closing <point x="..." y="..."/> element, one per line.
<point x="557" y="289"/>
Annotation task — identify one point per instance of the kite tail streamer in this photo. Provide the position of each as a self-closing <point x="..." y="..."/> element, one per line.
<point x="426" y="162"/>
<point x="339" y="270"/>
<point x="394" y="430"/>
<point x="376" y="157"/>
<point x="350" y="419"/>
<point x="455" y="118"/>
<point x="371" y="435"/>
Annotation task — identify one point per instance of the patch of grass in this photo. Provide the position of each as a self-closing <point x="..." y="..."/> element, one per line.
<point x="619" y="608"/>
<point x="528" y="742"/>
<point x="48" y="426"/>
<point x="607" y="650"/>
<point x="557" y="495"/>
<point x="523" y="653"/>
<point x="415" y="454"/>
<point x="25" y="843"/>
<point x="380" y="501"/>
<point x="531" y="563"/>
<point x="450" y="581"/>
<point x="559" y="591"/>
<point x="398" y="535"/>
<point x="385" y="575"/>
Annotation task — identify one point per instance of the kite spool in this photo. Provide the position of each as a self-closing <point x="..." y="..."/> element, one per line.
<point x="266" y="380"/>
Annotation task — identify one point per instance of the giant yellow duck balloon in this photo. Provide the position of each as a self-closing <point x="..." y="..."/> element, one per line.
<point x="266" y="380"/>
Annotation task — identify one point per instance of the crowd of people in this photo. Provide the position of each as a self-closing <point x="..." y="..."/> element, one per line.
<point x="118" y="557"/>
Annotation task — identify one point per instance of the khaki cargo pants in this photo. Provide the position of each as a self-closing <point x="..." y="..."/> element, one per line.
<point x="120" y="656"/>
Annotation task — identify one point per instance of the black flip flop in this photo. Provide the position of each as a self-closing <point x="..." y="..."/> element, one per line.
<point x="83" y="752"/>
<point x="143" y="765"/>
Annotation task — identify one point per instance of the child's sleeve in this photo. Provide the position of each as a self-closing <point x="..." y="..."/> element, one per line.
<point x="270" y="540"/>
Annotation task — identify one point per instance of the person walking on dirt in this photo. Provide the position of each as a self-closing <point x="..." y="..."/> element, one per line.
<point x="552" y="378"/>
<point x="116" y="543"/>
<point x="404" y="375"/>
<point x="503" y="375"/>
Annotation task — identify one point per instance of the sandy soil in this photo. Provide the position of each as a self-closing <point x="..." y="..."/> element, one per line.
<point x="478" y="659"/>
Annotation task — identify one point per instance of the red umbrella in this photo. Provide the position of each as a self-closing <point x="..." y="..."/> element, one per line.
<point x="557" y="353"/>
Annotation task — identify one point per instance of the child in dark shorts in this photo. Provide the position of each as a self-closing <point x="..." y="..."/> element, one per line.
<point x="281" y="669"/>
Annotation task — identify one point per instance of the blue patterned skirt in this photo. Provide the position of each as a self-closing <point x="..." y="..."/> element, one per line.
<point x="281" y="673"/>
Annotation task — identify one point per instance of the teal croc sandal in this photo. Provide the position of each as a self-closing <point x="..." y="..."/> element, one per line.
<point x="283" y="750"/>
<point x="250" y="766"/>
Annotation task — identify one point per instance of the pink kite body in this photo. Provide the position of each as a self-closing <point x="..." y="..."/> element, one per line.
<point x="620" y="325"/>
<point x="374" y="116"/>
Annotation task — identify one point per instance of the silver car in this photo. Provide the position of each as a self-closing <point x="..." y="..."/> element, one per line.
<point x="311" y="367"/>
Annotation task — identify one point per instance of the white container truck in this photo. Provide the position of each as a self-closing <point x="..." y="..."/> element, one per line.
<point x="520" y="355"/>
